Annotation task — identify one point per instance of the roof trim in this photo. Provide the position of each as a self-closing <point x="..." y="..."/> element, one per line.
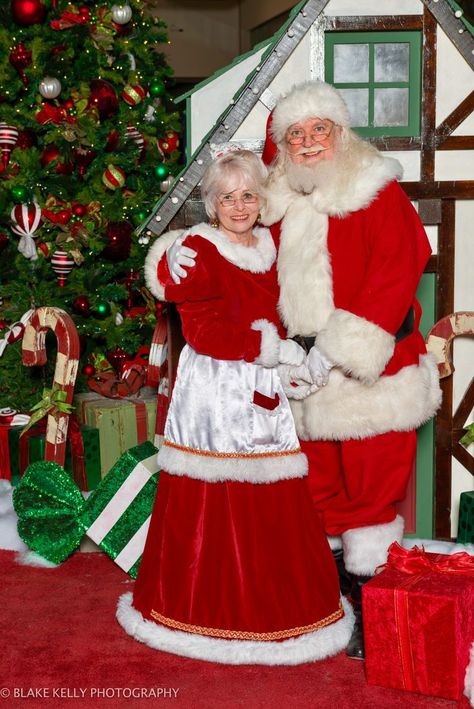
<point x="279" y="49"/>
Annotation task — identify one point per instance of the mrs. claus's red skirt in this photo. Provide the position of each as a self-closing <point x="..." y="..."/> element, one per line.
<point x="237" y="560"/>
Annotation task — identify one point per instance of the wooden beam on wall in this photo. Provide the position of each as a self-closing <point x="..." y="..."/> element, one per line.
<point x="444" y="306"/>
<point x="428" y="109"/>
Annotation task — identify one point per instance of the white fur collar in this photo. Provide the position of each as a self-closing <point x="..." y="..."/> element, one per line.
<point x="365" y="177"/>
<point x="257" y="259"/>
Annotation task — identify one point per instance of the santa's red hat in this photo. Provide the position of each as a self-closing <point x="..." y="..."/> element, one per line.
<point x="313" y="98"/>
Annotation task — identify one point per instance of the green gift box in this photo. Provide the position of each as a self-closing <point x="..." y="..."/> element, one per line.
<point x="466" y="518"/>
<point x="35" y="451"/>
<point x="122" y="423"/>
<point x="53" y="516"/>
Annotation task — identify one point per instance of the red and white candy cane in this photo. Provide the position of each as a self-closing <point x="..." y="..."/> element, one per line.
<point x="67" y="361"/>
<point x="440" y="337"/>
<point x="157" y="373"/>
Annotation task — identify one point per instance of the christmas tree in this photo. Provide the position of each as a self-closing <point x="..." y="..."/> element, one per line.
<point x="88" y="138"/>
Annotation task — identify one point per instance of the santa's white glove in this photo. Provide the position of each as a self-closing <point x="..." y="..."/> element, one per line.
<point x="291" y="352"/>
<point x="296" y="381"/>
<point x="178" y="256"/>
<point x="319" y="367"/>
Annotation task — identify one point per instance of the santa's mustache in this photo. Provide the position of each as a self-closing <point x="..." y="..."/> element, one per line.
<point x="318" y="148"/>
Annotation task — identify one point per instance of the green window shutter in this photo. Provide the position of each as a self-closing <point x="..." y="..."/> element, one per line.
<point x="379" y="75"/>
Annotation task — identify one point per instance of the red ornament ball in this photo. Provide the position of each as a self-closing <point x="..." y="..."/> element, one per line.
<point x="119" y="241"/>
<point x="44" y="249"/>
<point x="28" y="12"/>
<point x="84" y="157"/>
<point x="103" y="97"/>
<point x="88" y="370"/>
<point x="133" y="94"/>
<point x="169" y="143"/>
<point x="79" y="210"/>
<point x="114" y="177"/>
<point x="53" y="154"/>
<point x="81" y="305"/>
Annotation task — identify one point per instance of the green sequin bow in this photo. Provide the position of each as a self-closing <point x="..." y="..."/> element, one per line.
<point x="50" y="510"/>
<point x="53" y="516"/>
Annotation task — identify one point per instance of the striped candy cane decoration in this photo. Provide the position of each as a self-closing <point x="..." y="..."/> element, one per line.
<point x="67" y="361"/>
<point x="158" y="373"/>
<point x="440" y="337"/>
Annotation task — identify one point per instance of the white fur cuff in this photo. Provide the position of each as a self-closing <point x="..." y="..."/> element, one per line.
<point x="152" y="260"/>
<point x="358" y="346"/>
<point x="270" y="348"/>
<point x="365" y="548"/>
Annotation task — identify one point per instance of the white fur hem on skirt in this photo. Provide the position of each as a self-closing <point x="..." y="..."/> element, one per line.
<point x="305" y="648"/>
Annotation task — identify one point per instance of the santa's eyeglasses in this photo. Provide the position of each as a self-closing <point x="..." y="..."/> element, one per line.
<point x="319" y="131"/>
<point x="229" y="200"/>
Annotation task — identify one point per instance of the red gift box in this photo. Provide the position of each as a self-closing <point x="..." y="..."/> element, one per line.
<point x="419" y="622"/>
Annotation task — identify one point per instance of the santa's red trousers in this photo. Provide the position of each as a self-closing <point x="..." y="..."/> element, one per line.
<point x="357" y="483"/>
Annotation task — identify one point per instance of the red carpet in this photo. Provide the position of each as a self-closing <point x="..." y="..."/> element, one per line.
<point x="63" y="647"/>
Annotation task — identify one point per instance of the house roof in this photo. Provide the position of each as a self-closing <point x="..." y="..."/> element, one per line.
<point x="280" y="47"/>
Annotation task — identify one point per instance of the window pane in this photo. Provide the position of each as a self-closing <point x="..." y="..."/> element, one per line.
<point x="358" y="104"/>
<point x="392" y="62"/>
<point x="351" y="63"/>
<point x="391" y="107"/>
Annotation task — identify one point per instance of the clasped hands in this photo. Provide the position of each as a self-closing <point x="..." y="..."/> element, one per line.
<point x="302" y="379"/>
<point x="300" y="374"/>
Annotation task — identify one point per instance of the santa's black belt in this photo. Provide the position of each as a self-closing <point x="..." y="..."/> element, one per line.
<point x="405" y="329"/>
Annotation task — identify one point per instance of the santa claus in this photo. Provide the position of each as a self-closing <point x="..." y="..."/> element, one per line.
<point x="351" y="251"/>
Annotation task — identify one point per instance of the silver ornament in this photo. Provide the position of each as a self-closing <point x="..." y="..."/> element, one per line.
<point x="118" y="319"/>
<point x="50" y="87"/>
<point x="166" y="184"/>
<point x="121" y="14"/>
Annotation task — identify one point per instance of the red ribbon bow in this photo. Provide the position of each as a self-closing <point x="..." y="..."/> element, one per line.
<point x="69" y="19"/>
<point x="418" y="561"/>
<point x="53" y="114"/>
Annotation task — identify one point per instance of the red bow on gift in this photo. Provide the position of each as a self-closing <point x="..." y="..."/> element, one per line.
<point x="417" y="561"/>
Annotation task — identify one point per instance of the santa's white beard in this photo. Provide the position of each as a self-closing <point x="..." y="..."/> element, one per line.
<point x="307" y="178"/>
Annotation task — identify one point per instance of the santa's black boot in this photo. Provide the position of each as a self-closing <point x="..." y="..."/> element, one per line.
<point x="355" y="648"/>
<point x="345" y="578"/>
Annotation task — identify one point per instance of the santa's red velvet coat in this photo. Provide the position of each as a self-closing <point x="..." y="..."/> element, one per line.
<point x="350" y="258"/>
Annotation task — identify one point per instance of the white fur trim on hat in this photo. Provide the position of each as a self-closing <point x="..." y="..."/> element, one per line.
<point x="316" y="645"/>
<point x="365" y="548"/>
<point x="243" y="468"/>
<point x="313" y="98"/>
<point x="348" y="408"/>
<point x="152" y="260"/>
<point x="361" y="348"/>
<point x="270" y="348"/>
